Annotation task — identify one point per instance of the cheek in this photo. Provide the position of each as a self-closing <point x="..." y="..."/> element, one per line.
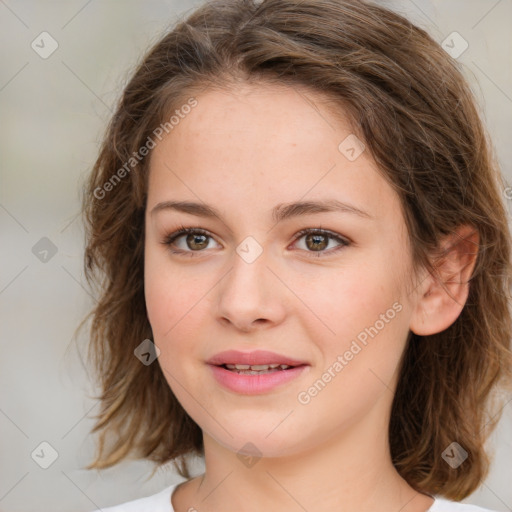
<point x="174" y="303"/>
<point x="166" y="292"/>
<point x="367" y="322"/>
<point x="352" y="299"/>
<point x="156" y="292"/>
<point x="361" y="359"/>
<point x="171" y="309"/>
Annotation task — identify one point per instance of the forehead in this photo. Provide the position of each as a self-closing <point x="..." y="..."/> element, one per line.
<point x="273" y="121"/>
<point x="258" y="145"/>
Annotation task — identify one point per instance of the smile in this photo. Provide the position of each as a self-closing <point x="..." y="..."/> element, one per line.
<point x="255" y="379"/>
<point x="256" y="369"/>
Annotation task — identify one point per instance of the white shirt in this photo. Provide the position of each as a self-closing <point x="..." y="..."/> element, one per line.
<point x="161" y="502"/>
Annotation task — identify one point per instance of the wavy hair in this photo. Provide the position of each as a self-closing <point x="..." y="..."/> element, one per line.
<point x="409" y="102"/>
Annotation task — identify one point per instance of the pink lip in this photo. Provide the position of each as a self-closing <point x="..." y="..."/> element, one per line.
<point x="254" y="384"/>
<point x="254" y="357"/>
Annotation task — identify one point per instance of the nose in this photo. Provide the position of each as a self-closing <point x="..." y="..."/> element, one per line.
<point x="250" y="296"/>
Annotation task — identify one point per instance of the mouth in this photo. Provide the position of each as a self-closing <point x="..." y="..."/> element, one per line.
<point x="256" y="369"/>
<point x="257" y="372"/>
<point x="257" y="360"/>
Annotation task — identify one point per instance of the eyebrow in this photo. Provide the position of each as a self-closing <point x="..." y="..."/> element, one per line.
<point x="279" y="213"/>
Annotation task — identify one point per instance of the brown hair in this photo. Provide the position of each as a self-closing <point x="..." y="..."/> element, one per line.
<point x="409" y="103"/>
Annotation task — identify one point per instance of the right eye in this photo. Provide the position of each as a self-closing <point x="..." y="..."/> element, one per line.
<point x="196" y="240"/>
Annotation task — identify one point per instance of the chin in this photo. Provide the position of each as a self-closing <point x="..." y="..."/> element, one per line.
<point x="258" y="443"/>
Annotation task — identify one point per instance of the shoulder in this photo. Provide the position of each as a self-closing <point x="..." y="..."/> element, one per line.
<point x="159" y="502"/>
<point x="445" y="505"/>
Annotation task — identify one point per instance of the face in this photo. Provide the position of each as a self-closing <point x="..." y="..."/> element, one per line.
<point x="326" y="290"/>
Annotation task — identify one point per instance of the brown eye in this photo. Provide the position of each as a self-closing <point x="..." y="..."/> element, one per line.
<point x="196" y="242"/>
<point x="317" y="240"/>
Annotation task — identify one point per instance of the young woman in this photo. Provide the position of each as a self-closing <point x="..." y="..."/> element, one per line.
<point x="297" y="228"/>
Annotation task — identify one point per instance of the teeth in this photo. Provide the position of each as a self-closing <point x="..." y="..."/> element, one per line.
<point x="238" y="366"/>
<point x="256" y="367"/>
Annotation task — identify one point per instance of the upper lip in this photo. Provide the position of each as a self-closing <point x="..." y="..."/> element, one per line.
<point x="252" y="358"/>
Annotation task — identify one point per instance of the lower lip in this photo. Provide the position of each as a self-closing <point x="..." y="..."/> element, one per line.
<point x="255" y="384"/>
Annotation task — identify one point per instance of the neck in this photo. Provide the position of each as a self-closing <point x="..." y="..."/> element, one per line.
<point x="349" y="472"/>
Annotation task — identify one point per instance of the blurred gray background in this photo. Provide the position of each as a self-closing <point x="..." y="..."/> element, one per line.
<point x="54" y="108"/>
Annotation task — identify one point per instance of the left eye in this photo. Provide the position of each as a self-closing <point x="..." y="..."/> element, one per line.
<point x="196" y="239"/>
<point x="318" y="240"/>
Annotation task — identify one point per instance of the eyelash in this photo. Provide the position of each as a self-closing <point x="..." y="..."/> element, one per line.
<point x="171" y="238"/>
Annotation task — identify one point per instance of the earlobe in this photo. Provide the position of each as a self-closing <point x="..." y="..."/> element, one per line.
<point x="441" y="297"/>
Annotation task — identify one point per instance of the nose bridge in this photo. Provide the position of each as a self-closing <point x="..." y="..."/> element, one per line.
<point x="250" y="291"/>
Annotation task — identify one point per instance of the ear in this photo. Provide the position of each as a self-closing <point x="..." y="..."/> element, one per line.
<point x="437" y="307"/>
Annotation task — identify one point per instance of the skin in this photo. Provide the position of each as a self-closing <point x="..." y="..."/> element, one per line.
<point x="244" y="151"/>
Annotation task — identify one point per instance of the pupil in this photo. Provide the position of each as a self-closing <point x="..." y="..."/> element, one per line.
<point x="315" y="239"/>
<point x="192" y="240"/>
